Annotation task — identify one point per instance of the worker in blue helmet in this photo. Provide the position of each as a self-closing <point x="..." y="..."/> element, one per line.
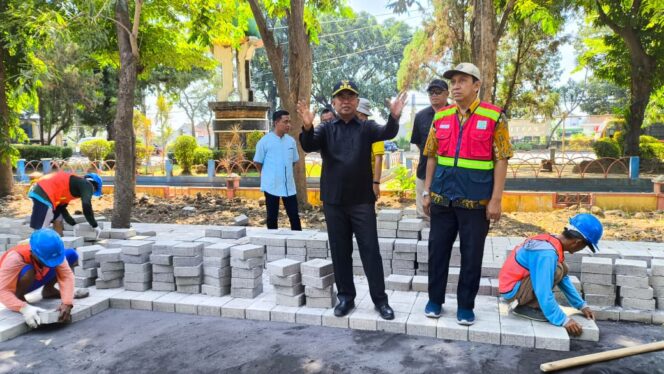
<point x="42" y="263"/>
<point x="536" y="266"/>
<point x="52" y="193"/>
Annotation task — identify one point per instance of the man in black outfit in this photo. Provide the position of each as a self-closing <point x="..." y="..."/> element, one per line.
<point x="347" y="190"/>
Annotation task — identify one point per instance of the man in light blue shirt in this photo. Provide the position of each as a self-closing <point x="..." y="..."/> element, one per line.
<point x="276" y="153"/>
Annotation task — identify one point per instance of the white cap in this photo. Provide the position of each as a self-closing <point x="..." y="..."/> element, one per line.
<point x="465" y="68"/>
<point x="364" y="106"/>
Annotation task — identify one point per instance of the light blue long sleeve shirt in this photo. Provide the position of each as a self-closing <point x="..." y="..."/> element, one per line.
<point x="277" y="155"/>
<point x="540" y="258"/>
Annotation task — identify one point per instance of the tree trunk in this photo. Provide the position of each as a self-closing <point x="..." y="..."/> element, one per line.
<point x="42" y="115"/>
<point x="6" y="177"/>
<point x="640" y="90"/>
<point x="125" y="139"/>
<point x="483" y="46"/>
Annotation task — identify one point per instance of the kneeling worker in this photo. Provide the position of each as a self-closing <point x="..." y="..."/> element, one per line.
<point x="27" y="267"/>
<point x="537" y="265"/>
<point x="53" y="192"/>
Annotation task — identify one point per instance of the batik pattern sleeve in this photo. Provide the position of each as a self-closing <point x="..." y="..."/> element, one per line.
<point x="502" y="147"/>
<point x="431" y="148"/>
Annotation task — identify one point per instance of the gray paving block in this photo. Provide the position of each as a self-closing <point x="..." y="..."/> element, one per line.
<point x="293" y="301"/>
<point x="260" y="310"/>
<point x="214" y="290"/>
<point x="131" y="259"/>
<point x="145" y="299"/>
<point x="393" y="215"/>
<point x="309" y="316"/>
<point x="516" y="331"/>
<point x="186" y="261"/>
<point x="397" y="325"/>
<point x="108" y="255"/>
<point x="137" y="286"/>
<point x="411" y="224"/>
<point x="322" y="302"/>
<point x="247" y="293"/>
<point x="398" y="282"/>
<point x="220" y="250"/>
<point x="111" y="266"/>
<point x="247" y="251"/>
<point x="319" y="292"/>
<point x="298" y="251"/>
<point x="11" y="328"/>
<point x="550" y="337"/>
<point x="162" y="269"/>
<point x="288" y="281"/>
<point x="276" y="251"/>
<point x="138" y="268"/>
<point x="211" y="306"/>
<point x="105" y="284"/>
<point x="316" y="282"/>
<point x="246" y="282"/>
<point x="122" y="300"/>
<point x="85" y="273"/>
<point x="629" y="303"/>
<point x="80" y="312"/>
<point x="233" y="232"/>
<point x="189" y="249"/>
<point x="121" y="233"/>
<point x="164" y="247"/>
<point x="657" y="282"/>
<point x="283" y="267"/>
<point x="484" y="331"/>
<point x="289" y="291"/>
<point x="636" y="315"/>
<point x="317" y="268"/>
<point x="188" y="281"/>
<point x="599" y="289"/>
<point x="136" y="247"/>
<point x="137" y="277"/>
<point x="405" y="245"/>
<point x="658" y="317"/>
<point x="387" y="225"/>
<point x="189" y="304"/>
<point x="420" y="283"/>
<point x="166" y="303"/>
<point x="188" y="271"/>
<point x="190" y="289"/>
<point x="217" y="261"/>
<point x="296" y="242"/>
<point x="590" y="329"/>
<point x="419" y="324"/>
<point x="629" y="281"/>
<point x="408" y="234"/>
<point x="73" y="241"/>
<point x="362" y="319"/>
<point x="49" y="317"/>
<point x="634" y="268"/>
<point x="637" y="293"/>
<point x="600" y="300"/>
<point x="282" y="313"/>
<point x="216" y="272"/>
<point x="163" y="277"/>
<point x="386" y="244"/>
<point x="163" y="286"/>
<point x="610" y="313"/>
<point x="88" y="252"/>
<point x="384" y="233"/>
<point x="605" y="279"/>
<point x="330" y="320"/>
<point x="255" y="262"/>
<point x="596" y="265"/>
<point x="657" y="267"/>
<point x="404" y="256"/>
<point x="448" y="328"/>
<point x="166" y="260"/>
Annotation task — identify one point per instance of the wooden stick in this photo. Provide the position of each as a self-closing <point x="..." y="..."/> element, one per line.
<point x="601" y="356"/>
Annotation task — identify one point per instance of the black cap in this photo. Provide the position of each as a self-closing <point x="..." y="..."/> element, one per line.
<point x="437" y="83"/>
<point x="345" y="85"/>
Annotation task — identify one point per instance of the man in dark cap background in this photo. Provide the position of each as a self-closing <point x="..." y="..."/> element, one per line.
<point x="347" y="190"/>
<point x="438" y="93"/>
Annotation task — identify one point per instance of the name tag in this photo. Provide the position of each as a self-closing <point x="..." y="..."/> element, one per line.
<point x="481" y="125"/>
<point x="445" y="126"/>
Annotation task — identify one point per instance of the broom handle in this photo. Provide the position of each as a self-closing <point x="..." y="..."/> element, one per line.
<point x="601" y="356"/>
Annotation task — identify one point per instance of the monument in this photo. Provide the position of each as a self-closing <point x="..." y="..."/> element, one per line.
<point x="245" y="115"/>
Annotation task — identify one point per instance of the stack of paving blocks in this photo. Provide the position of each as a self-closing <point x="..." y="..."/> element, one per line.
<point x="113" y="233"/>
<point x="386" y="246"/>
<point x="422" y="257"/>
<point x="404" y="256"/>
<point x="111" y="268"/>
<point x="72" y="241"/>
<point x="217" y="269"/>
<point x="86" y="272"/>
<point x="297" y="251"/>
<point x="226" y="232"/>
<point x="388" y="222"/>
<point x="574" y="260"/>
<point x="317" y="246"/>
<point x="277" y="252"/>
<point x="188" y="267"/>
<point x="597" y="281"/>
<point x="318" y="280"/>
<point x="560" y="296"/>
<point x="287" y="281"/>
<point x="409" y="228"/>
<point x="86" y="231"/>
<point x="633" y="285"/>
<point x="137" y="269"/>
<point x="657" y="281"/>
<point x="398" y="282"/>
<point x="247" y="270"/>
<point x="163" y="275"/>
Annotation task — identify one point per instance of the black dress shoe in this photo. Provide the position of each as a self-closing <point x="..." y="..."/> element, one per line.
<point x="385" y="311"/>
<point x="344" y="307"/>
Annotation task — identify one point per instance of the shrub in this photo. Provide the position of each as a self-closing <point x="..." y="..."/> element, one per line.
<point x="184" y="148"/>
<point x="253" y="138"/>
<point x="649" y="151"/>
<point x="619" y="138"/>
<point x="202" y="155"/>
<point x="37" y="152"/>
<point x="405" y="180"/>
<point x="606" y="147"/>
<point x="523" y="146"/>
<point x="95" y="149"/>
<point x="580" y="142"/>
<point x="142" y="151"/>
<point x="111" y="152"/>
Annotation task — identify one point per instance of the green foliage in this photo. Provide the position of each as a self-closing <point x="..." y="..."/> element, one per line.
<point x="523" y="146"/>
<point x="202" y="155"/>
<point x="405" y="180"/>
<point x="143" y="151"/>
<point x="253" y="138"/>
<point x="606" y="147"/>
<point x="603" y="97"/>
<point x="184" y="148"/>
<point x="580" y="142"/>
<point x="95" y="149"/>
<point x="402" y="142"/>
<point x="650" y="148"/>
<point x="619" y="137"/>
<point x="37" y="152"/>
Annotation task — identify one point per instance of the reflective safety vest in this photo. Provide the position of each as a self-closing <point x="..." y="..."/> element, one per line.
<point x="25" y="252"/>
<point x="513" y="272"/>
<point x="465" y="153"/>
<point x="56" y="187"/>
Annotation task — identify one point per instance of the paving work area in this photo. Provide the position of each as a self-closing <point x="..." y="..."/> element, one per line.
<point x="218" y="271"/>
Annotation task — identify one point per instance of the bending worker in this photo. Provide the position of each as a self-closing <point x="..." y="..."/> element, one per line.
<point x="53" y="192"/>
<point x="27" y="267"/>
<point x="537" y="265"/>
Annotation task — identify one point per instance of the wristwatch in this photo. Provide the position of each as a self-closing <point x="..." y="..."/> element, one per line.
<point x="425" y="193"/>
<point x="376" y="182"/>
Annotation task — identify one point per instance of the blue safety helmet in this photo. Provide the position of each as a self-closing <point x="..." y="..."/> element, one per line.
<point x="47" y="247"/>
<point x="589" y="227"/>
<point x="96" y="181"/>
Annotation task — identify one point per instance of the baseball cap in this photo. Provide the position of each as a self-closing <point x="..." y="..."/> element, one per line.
<point x="364" y="107"/>
<point x="345" y="85"/>
<point x="465" y="68"/>
<point x="437" y="83"/>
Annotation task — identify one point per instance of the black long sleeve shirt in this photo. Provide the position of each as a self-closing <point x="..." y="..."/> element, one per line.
<point x="78" y="187"/>
<point x="345" y="148"/>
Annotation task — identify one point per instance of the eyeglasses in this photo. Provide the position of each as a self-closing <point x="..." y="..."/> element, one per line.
<point x="437" y="92"/>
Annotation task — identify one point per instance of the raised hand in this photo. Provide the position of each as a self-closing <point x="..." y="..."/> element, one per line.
<point x="305" y="114"/>
<point x="397" y="105"/>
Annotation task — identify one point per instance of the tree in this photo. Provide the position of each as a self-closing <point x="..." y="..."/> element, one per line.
<point x="631" y="55"/>
<point x="571" y="95"/>
<point x="603" y="97"/>
<point x="294" y="80"/>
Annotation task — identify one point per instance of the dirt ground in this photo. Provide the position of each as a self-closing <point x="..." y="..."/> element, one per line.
<point x="215" y="209"/>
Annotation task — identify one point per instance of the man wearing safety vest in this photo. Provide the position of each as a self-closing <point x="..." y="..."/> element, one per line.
<point x="467" y="151"/>
<point x="27" y="267"/>
<point x="537" y="265"/>
<point x="53" y="192"/>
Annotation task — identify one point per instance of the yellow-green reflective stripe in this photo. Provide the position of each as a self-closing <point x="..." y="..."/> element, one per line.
<point x="444" y="113"/>
<point x="488" y="113"/>
<point x="465" y="163"/>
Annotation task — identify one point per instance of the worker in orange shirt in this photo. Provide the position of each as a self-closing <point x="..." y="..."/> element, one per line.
<point x="52" y="193"/>
<point x="27" y="267"/>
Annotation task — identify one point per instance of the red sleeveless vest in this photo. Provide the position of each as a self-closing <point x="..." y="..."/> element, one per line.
<point x="24" y="251"/>
<point x="512" y="272"/>
<point x="56" y="187"/>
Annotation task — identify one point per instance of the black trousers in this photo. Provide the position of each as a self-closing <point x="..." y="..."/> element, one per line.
<point x="342" y="222"/>
<point x="472" y="227"/>
<point x="290" y="203"/>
